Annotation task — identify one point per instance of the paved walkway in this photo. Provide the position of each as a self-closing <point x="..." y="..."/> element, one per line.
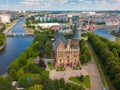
<point x="90" y="69"/>
<point x="69" y="72"/>
<point x="95" y="78"/>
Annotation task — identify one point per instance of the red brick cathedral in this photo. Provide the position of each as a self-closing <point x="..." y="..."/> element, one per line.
<point x="66" y="53"/>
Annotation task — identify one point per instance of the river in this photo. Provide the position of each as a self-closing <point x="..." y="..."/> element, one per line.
<point x="105" y="33"/>
<point x="14" y="46"/>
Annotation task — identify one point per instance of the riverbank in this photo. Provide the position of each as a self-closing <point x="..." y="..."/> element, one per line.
<point x="5" y="41"/>
<point x="115" y="34"/>
<point x="106" y="27"/>
<point x="4" y="75"/>
<point x="9" y="28"/>
<point x="6" y="31"/>
<point x="13" y="46"/>
<point x="28" y="30"/>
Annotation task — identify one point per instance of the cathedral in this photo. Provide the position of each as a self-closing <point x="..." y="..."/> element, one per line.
<point x="66" y="53"/>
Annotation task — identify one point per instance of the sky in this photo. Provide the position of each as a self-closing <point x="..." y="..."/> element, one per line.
<point x="79" y="5"/>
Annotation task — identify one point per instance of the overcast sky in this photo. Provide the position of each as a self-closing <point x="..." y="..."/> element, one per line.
<point x="59" y="4"/>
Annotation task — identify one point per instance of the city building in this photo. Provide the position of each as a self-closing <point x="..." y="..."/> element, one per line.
<point x="66" y="53"/>
<point x="48" y="25"/>
<point x="55" y="28"/>
<point x="112" y="22"/>
<point x="4" y="18"/>
<point x="52" y="18"/>
<point x="91" y="26"/>
<point x="84" y="27"/>
<point x="89" y="13"/>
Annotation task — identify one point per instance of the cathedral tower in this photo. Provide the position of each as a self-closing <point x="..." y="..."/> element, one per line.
<point x="75" y="38"/>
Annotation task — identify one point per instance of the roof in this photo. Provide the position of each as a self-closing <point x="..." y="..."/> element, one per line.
<point x="48" y="24"/>
<point x="59" y="37"/>
<point x="76" y="34"/>
<point x="58" y="34"/>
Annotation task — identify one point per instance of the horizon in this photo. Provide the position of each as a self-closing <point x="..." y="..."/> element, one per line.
<point x="60" y="5"/>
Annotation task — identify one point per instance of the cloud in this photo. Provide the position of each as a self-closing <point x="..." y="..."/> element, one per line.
<point x="29" y="2"/>
<point x="65" y="4"/>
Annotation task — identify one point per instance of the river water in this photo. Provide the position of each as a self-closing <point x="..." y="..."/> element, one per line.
<point x="105" y="33"/>
<point x="14" y="46"/>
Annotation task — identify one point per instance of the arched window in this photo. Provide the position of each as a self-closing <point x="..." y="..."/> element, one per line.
<point x="60" y="60"/>
<point x="68" y="60"/>
<point x="75" y="60"/>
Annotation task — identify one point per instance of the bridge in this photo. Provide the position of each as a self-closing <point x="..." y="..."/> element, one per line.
<point x="18" y="34"/>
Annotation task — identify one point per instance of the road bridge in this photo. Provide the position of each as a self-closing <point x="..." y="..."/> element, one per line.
<point x="18" y="34"/>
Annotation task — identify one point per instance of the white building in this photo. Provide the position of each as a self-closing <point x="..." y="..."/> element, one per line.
<point x="112" y="22"/>
<point x="51" y="18"/>
<point x="4" y="18"/>
<point x="48" y="25"/>
<point x="89" y="13"/>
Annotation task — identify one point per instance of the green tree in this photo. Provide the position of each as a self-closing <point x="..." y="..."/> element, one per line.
<point x="81" y="78"/>
<point x="5" y="83"/>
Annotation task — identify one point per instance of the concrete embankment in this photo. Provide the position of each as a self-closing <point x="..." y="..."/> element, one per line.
<point x="2" y="47"/>
<point x="9" y="28"/>
<point x="28" y="30"/>
<point x="6" y="31"/>
<point x="106" y="27"/>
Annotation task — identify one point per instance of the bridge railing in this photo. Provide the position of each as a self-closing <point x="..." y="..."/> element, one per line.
<point x="17" y="34"/>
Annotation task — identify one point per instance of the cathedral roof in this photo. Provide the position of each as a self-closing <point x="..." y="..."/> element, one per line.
<point x="59" y="37"/>
<point x="58" y="34"/>
<point x="119" y="27"/>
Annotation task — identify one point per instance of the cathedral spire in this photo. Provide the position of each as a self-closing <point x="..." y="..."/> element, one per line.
<point x="76" y="34"/>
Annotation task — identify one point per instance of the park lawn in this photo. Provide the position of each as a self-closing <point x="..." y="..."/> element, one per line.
<point x="60" y="69"/>
<point x="85" y="83"/>
<point x="50" y="65"/>
<point x="8" y="24"/>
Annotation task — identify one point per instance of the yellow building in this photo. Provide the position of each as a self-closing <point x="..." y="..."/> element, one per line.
<point x="66" y="53"/>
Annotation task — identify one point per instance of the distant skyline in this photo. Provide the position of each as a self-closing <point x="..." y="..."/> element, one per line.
<point x="45" y="5"/>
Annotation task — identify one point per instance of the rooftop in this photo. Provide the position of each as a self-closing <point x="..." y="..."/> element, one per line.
<point x="59" y="37"/>
<point x="76" y="34"/>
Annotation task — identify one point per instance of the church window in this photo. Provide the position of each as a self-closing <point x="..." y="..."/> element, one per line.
<point x="75" y="56"/>
<point x="60" y="61"/>
<point x="68" y="60"/>
<point x="75" y="60"/>
<point x="67" y="56"/>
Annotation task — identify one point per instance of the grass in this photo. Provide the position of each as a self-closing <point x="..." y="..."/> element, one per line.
<point x="8" y="24"/>
<point x="118" y="40"/>
<point x="85" y="83"/>
<point x="50" y="65"/>
<point x="77" y="68"/>
<point x="60" y="69"/>
<point x="104" y="78"/>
